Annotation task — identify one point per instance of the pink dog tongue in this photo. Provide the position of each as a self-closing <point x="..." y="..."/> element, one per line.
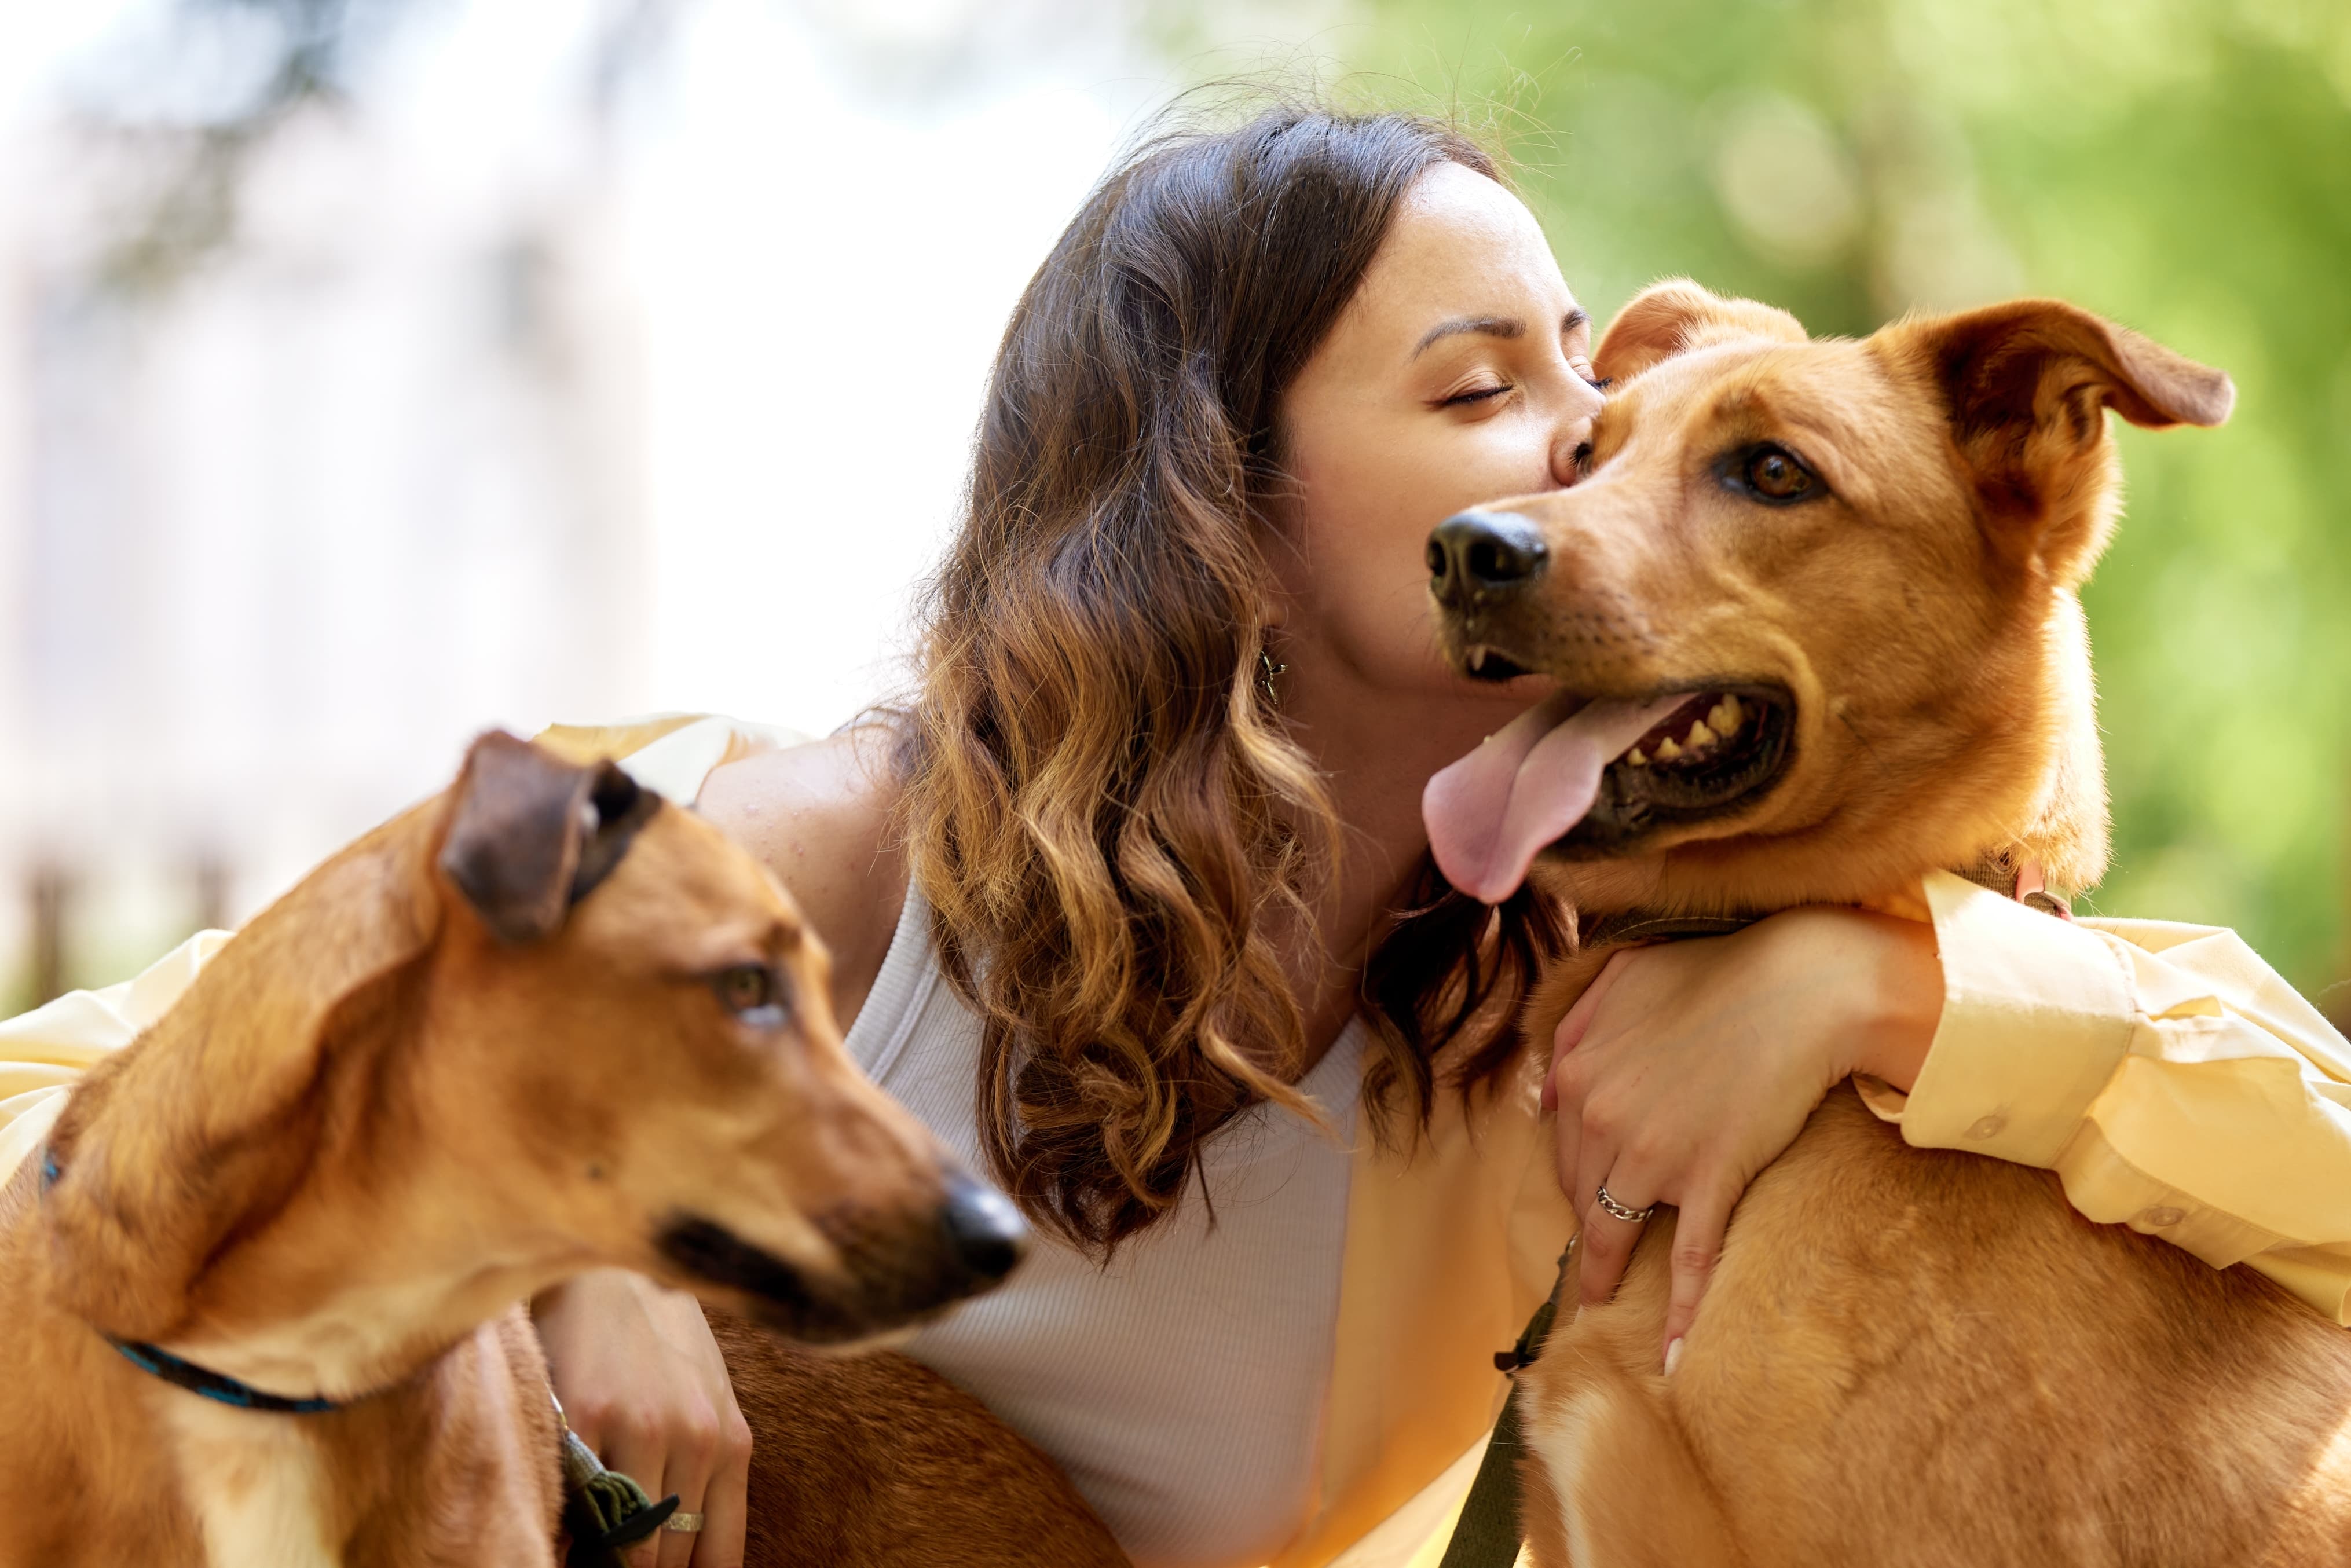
<point x="1490" y="814"/>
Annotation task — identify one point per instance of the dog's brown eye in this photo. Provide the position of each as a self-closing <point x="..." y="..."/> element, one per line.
<point x="751" y="993"/>
<point x="1773" y="474"/>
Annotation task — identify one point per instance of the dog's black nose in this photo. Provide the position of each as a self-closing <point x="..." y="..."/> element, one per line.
<point x="986" y="1232"/>
<point x="1482" y="555"/>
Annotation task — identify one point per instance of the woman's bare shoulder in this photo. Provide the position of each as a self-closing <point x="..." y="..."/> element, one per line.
<point x="819" y="815"/>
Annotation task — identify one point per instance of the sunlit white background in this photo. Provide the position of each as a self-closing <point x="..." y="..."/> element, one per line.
<point x="552" y="360"/>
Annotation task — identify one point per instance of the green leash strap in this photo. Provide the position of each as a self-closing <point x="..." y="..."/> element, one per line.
<point x="1486" y="1535"/>
<point x="603" y="1510"/>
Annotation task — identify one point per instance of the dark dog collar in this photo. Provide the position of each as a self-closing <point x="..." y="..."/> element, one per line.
<point x="214" y="1385"/>
<point x="183" y="1374"/>
<point x="1637" y="926"/>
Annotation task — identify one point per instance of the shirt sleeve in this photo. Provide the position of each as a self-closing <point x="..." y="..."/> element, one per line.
<point x="2172" y="1080"/>
<point x="43" y="1051"/>
<point x="670" y="754"/>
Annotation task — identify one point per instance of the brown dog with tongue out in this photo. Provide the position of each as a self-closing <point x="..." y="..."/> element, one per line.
<point x="1814" y="617"/>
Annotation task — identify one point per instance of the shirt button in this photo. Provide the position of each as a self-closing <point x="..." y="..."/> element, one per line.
<point x="2157" y="1218"/>
<point x="1987" y="1126"/>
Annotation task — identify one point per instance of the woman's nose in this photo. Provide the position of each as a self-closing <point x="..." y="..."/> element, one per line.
<point x="1573" y="438"/>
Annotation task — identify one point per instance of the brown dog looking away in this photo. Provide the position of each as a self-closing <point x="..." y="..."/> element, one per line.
<point x="540" y="1023"/>
<point x="1856" y="564"/>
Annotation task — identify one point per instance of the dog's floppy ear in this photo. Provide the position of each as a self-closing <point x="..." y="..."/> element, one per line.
<point x="2027" y="384"/>
<point x="1676" y="316"/>
<point x="529" y="834"/>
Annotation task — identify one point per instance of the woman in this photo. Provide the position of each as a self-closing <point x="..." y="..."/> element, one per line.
<point x="1153" y="818"/>
<point x="1133" y="903"/>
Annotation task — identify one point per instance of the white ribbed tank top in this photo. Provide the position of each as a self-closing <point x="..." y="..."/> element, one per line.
<point x="1182" y="1388"/>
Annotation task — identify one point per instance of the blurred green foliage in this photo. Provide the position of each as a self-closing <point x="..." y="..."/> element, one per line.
<point x="2183" y="166"/>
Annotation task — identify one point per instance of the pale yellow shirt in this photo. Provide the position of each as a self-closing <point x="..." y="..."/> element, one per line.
<point x="2173" y="1080"/>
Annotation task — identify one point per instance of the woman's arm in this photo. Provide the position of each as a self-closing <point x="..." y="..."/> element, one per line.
<point x="2173" y="1080"/>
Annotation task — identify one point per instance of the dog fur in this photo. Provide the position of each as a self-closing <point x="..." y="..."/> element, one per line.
<point x="540" y="1023"/>
<point x="1905" y="1356"/>
<point x="874" y="1460"/>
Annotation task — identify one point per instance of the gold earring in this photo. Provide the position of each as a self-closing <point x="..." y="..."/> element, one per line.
<point x="1267" y="670"/>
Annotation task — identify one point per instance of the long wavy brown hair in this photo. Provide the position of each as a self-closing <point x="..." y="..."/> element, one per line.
<point x="1099" y="801"/>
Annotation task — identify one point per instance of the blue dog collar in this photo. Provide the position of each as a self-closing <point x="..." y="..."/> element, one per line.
<point x="214" y="1385"/>
<point x="158" y="1362"/>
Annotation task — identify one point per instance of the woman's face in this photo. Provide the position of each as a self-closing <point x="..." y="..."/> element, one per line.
<point x="1458" y="373"/>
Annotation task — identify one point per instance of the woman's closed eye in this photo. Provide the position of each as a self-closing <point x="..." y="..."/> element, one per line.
<point x="1488" y="392"/>
<point x="1483" y="392"/>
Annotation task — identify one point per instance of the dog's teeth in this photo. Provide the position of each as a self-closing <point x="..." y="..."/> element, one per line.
<point x="1634" y="758"/>
<point x="1725" y="717"/>
<point x="1699" y="737"/>
<point x="1667" y="750"/>
<point x="1478" y="657"/>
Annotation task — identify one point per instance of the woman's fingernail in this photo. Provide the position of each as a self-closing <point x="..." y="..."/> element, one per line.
<point x="1673" y="1356"/>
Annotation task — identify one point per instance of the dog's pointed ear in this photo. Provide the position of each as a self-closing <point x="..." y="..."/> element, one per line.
<point x="530" y="834"/>
<point x="1676" y="316"/>
<point x="2027" y="384"/>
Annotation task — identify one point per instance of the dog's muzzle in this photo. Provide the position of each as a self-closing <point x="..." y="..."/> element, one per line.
<point x="895" y="1269"/>
<point x="1480" y="559"/>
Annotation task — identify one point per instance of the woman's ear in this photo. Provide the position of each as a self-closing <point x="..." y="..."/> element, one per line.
<point x="1676" y="316"/>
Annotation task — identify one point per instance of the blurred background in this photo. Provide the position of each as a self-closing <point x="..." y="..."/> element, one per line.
<point x="375" y="371"/>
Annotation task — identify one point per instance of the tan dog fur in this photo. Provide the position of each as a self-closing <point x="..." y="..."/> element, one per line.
<point x="1904" y="1356"/>
<point x="371" y="1127"/>
<point x="876" y="1461"/>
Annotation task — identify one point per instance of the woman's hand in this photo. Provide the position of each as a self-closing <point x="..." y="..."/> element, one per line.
<point x="1687" y="1068"/>
<point x="643" y="1385"/>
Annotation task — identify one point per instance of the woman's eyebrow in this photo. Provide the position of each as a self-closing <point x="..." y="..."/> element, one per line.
<point x="1495" y="327"/>
<point x="1491" y="326"/>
